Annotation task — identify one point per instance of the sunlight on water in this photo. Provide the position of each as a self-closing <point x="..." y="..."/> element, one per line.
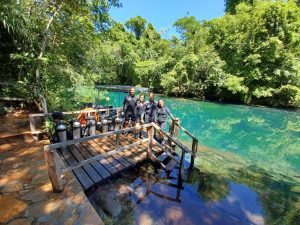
<point x="265" y="136"/>
<point x="249" y="157"/>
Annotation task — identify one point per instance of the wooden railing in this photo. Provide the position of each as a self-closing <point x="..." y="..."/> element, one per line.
<point x="55" y="170"/>
<point x="36" y="120"/>
<point x="174" y="131"/>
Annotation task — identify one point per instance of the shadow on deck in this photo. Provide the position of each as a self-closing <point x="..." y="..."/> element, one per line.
<point x="99" y="170"/>
<point x="95" y="158"/>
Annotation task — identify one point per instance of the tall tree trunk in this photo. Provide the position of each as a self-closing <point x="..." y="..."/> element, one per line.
<point x="43" y="47"/>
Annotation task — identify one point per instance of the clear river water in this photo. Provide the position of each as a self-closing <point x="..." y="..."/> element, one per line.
<point x="248" y="165"/>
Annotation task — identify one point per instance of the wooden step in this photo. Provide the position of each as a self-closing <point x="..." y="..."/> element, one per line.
<point x="172" y="163"/>
<point x="13" y="126"/>
<point x="162" y="157"/>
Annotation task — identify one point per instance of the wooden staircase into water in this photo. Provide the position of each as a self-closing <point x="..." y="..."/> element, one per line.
<point x="94" y="159"/>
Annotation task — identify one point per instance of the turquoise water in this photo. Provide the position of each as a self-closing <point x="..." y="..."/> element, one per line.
<point x="263" y="136"/>
<point x="247" y="152"/>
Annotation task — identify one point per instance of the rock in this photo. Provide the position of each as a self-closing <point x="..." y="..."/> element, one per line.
<point x="10" y="208"/>
<point x="41" y="208"/>
<point x="27" y="221"/>
<point x="72" y="219"/>
<point x="43" y="220"/>
<point x="90" y="217"/>
<point x="124" y="190"/>
<point x="145" y="219"/>
<point x="108" y="201"/>
<point x="37" y="193"/>
<point x="15" y="165"/>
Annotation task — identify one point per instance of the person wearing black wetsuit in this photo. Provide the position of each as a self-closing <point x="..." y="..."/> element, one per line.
<point x="162" y="113"/>
<point x="129" y="104"/>
<point x="140" y="114"/>
<point x="150" y="109"/>
<point x="140" y="109"/>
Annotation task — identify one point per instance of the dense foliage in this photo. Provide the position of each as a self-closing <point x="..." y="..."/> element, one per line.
<point x="45" y="43"/>
<point x="250" y="55"/>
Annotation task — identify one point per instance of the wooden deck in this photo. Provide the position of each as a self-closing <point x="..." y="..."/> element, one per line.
<point x="95" y="158"/>
<point x="97" y="171"/>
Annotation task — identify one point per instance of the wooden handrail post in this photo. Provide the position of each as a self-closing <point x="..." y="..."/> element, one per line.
<point x="176" y="128"/>
<point x="181" y="168"/>
<point x="171" y="131"/>
<point x="51" y="158"/>
<point x="194" y="152"/>
<point x="150" y="132"/>
<point x="117" y="141"/>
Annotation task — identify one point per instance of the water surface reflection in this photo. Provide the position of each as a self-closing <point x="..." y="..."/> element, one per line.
<point x="206" y="198"/>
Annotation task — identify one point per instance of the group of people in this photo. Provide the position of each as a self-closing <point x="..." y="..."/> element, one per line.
<point x="140" y="111"/>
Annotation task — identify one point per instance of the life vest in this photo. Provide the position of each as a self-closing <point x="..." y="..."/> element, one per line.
<point x="85" y="114"/>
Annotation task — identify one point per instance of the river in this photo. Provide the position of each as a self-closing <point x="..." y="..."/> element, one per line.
<point x="248" y="158"/>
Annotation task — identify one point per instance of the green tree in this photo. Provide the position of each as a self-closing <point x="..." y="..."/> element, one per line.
<point x="230" y="5"/>
<point x="187" y="26"/>
<point x="136" y="25"/>
<point x="260" y="45"/>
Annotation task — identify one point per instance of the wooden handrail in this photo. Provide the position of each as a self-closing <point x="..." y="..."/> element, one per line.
<point x="178" y="143"/>
<point x="184" y="130"/>
<point x="110" y="133"/>
<point x="76" y="112"/>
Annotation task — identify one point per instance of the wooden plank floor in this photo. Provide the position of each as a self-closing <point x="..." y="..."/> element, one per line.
<point x="97" y="171"/>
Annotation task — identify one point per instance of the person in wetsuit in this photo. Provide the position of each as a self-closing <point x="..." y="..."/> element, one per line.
<point x="162" y="113"/>
<point x="140" y="114"/>
<point x="140" y="109"/>
<point x="150" y="109"/>
<point x="129" y="104"/>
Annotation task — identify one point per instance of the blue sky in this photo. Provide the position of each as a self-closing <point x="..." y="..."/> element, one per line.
<point x="163" y="13"/>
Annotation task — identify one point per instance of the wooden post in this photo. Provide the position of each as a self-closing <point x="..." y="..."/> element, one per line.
<point x="117" y="141"/>
<point x="32" y="123"/>
<point x="150" y="132"/>
<point x="171" y="131"/>
<point x="51" y="158"/>
<point x="148" y="182"/>
<point x="176" y="128"/>
<point x="181" y="169"/>
<point x="194" y="152"/>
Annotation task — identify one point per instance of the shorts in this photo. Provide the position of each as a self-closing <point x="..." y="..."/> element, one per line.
<point x="149" y="119"/>
<point x="162" y="124"/>
<point x="130" y="115"/>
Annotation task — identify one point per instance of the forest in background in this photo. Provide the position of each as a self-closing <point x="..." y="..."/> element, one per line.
<point x="250" y="55"/>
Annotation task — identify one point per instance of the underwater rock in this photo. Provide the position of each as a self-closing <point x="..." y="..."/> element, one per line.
<point x="124" y="190"/>
<point x="108" y="201"/>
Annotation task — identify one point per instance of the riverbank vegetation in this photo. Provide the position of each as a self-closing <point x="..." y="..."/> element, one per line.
<point x="250" y="55"/>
